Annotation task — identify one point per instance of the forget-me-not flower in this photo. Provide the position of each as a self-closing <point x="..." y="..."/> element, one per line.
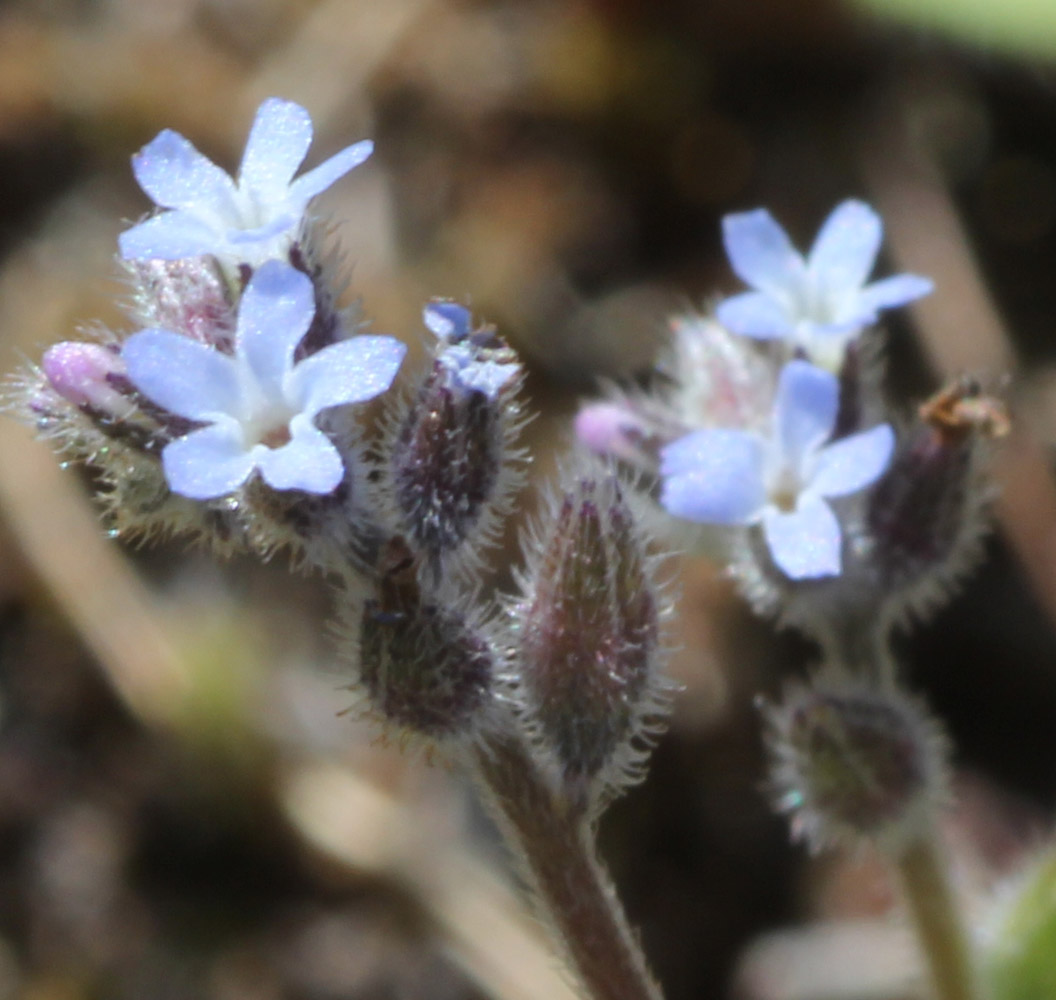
<point x="251" y="219"/>
<point x="258" y="406"/>
<point x="724" y="476"/>
<point x="819" y="302"/>
<point x="472" y="366"/>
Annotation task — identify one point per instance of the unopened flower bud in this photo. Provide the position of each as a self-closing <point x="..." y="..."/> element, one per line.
<point x="426" y="667"/>
<point x="618" y="431"/>
<point x="189" y="296"/>
<point x="925" y="515"/>
<point x="850" y="761"/>
<point x="89" y="376"/>
<point x="589" y="639"/>
<point x="449" y="462"/>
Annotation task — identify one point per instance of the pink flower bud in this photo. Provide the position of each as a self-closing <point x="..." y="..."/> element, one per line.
<point x="616" y="430"/>
<point x="85" y="374"/>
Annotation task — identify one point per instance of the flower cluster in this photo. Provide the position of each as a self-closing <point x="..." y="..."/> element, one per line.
<point x="231" y="412"/>
<point x="774" y="424"/>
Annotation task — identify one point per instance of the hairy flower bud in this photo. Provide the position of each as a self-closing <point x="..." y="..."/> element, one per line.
<point x="189" y="296"/>
<point x="427" y="668"/>
<point x="449" y="463"/>
<point x="589" y="631"/>
<point x="86" y="375"/>
<point x="851" y="761"/>
<point x="924" y="517"/>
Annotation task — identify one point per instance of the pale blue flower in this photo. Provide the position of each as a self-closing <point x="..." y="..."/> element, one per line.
<point x="258" y="406"/>
<point x="819" y="302"/>
<point x="474" y="364"/>
<point x="250" y="220"/>
<point x="783" y="480"/>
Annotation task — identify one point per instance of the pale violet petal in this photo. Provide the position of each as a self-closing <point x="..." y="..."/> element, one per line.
<point x="350" y="371"/>
<point x="845" y="250"/>
<point x="170" y="236"/>
<point x="175" y="175"/>
<point x="805" y="412"/>
<point x="471" y="373"/>
<point x="895" y="291"/>
<point x="181" y="375"/>
<point x="277" y="145"/>
<point x="714" y="476"/>
<point x="754" y="314"/>
<point x="804" y="543"/>
<point x="316" y="181"/>
<point x="276" y="310"/>
<point x="207" y="463"/>
<point x="446" y="320"/>
<point x="761" y="254"/>
<point x="308" y="461"/>
<point x="853" y="462"/>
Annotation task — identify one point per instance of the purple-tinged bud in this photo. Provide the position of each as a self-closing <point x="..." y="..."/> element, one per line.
<point x="616" y="430"/>
<point x="852" y="762"/>
<point x="449" y="463"/>
<point x="85" y="374"/>
<point x="925" y="515"/>
<point x="588" y="651"/>
<point x="722" y="379"/>
<point x="189" y="296"/>
<point x="425" y="666"/>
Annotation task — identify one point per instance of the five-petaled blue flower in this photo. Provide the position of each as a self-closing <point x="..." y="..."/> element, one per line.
<point x="725" y="476"/>
<point x="817" y="303"/>
<point x="250" y="220"/>
<point x="259" y="407"/>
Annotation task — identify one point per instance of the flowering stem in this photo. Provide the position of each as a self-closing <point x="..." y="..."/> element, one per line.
<point x="926" y="880"/>
<point x="572" y="891"/>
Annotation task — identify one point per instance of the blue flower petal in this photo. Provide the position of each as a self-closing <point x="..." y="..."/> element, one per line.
<point x="207" y="463"/>
<point x="845" y="250"/>
<point x="472" y="374"/>
<point x="277" y="145"/>
<point x="175" y="175"/>
<point x="316" y="181"/>
<point x="714" y="476"/>
<point x="753" y="314"/>
<point x="804" y="543"/>
<point x="170" y="236"/>
<point x="761" y="254"/>
<point x="309" y="461"/>
<point x="895" y="291"/>
<point x="446" y="320"/>
<point x="805" y="412"/>
<point x="350" y="371"/>
<point x="181" y="375"/>
<point x="853" y="462"/>
<point x="276" y="310"/>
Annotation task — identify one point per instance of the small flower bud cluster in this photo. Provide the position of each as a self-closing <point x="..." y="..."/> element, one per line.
<point x="854" y="761"/>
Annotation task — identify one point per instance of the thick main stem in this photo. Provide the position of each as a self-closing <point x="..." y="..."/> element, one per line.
<point x="926" y="880"/>
<point x="571" y="888"/>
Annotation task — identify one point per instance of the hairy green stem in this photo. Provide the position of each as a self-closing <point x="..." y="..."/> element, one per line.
<point x="555" y="845"/>
<point x="926" y="880"/>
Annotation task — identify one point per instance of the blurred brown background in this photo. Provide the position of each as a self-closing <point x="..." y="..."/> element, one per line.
<point x="183" y="811"/>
